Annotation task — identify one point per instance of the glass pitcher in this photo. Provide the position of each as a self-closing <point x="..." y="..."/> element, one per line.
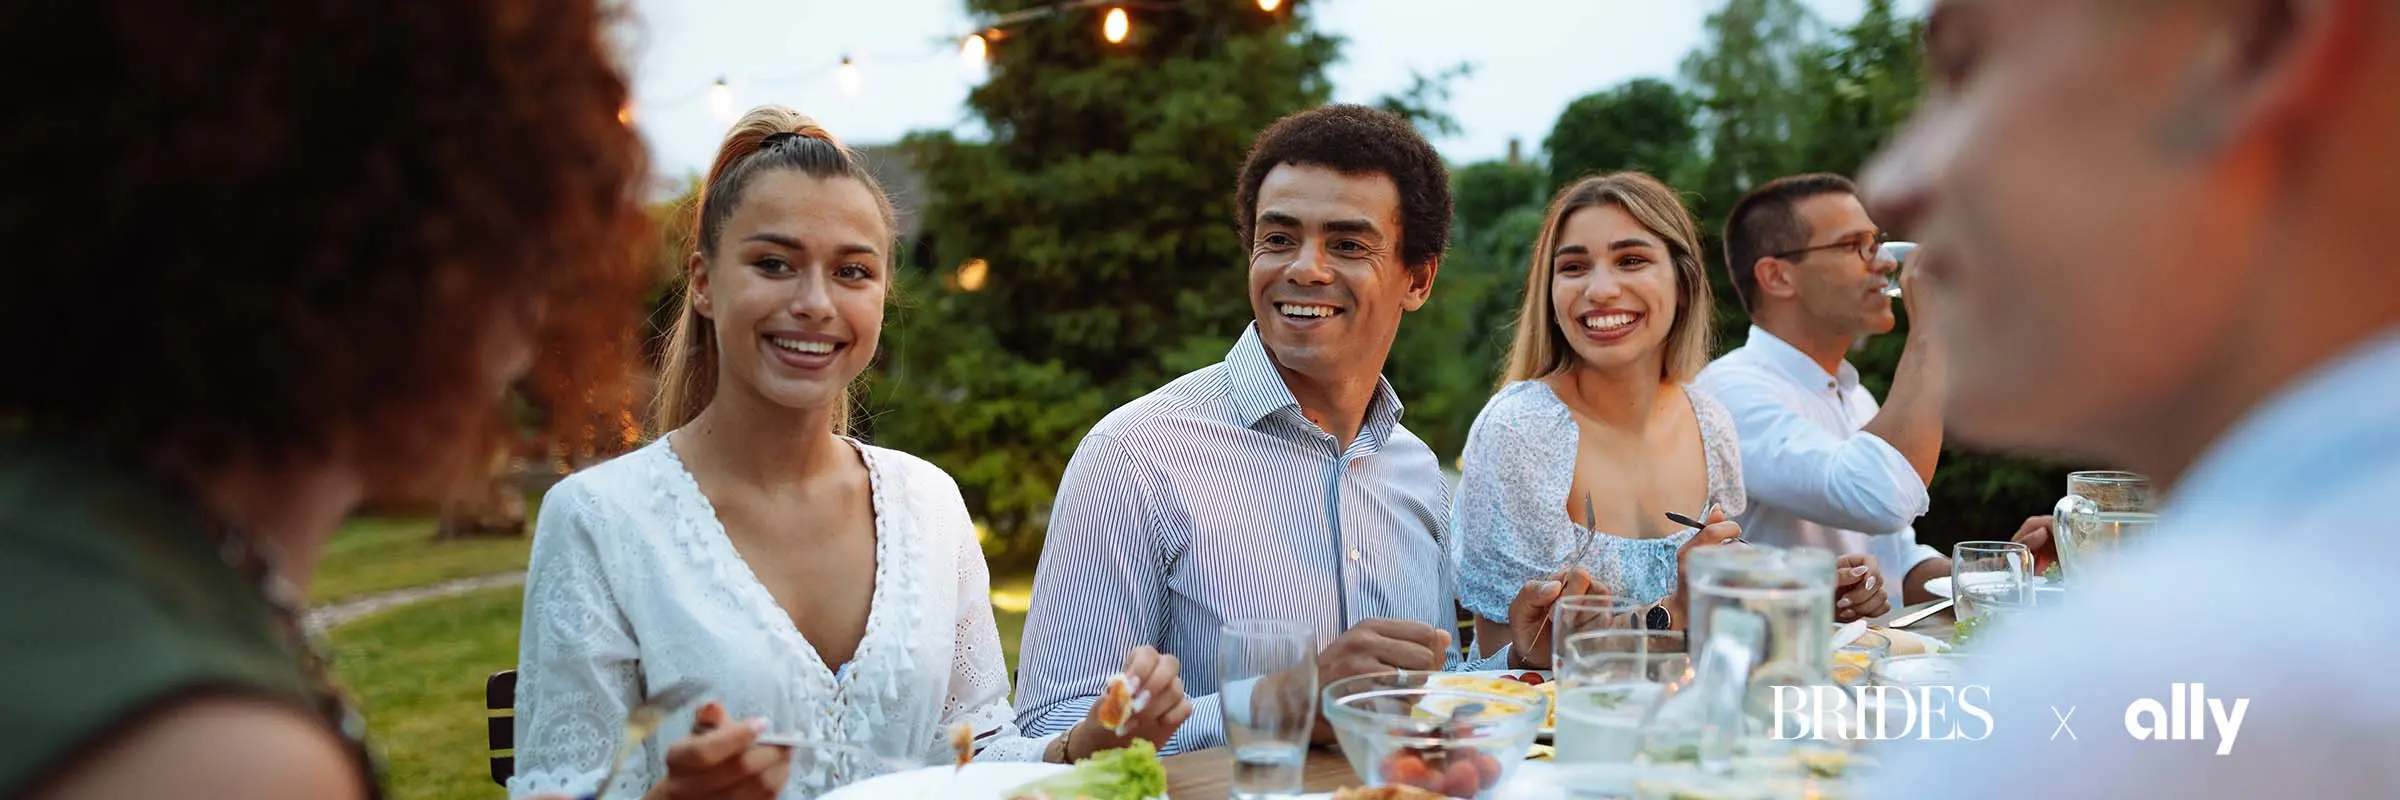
<point x="2101" y="512"/>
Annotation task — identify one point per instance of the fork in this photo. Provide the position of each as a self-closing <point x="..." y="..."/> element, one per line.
<point x="1591" y="532"/>
<point x="643" y="721"/>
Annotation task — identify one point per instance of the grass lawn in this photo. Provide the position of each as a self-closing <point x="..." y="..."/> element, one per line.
<point x="378" y="554"/>
<point x="418" y="671"/>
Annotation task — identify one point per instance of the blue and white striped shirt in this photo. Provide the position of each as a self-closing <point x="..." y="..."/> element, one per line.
<point x="1211" y="500"/>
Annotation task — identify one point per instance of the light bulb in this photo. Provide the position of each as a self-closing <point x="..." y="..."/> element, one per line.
<point x="1269" y="5"/>
<point x="849" y="76"/>
<point x="1115" y="27"/>
<point x="720" y="100"/>
<point x="625" y="114"/>
<point x="974" y="51"/>
<point x="972" y="274"/>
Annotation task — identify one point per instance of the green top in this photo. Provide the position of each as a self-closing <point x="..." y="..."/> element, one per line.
<point x="114" y="602"/>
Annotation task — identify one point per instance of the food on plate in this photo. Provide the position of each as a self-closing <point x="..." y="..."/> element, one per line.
<point x="1116" y="704"/>
<point x="1904" y="644"/>
<point x="1131" y="772"/>
<point x="1385" y="793"/>
<point x="962" y="743"/>
<point x="1454" y="772"/>
<point x="1528" y="685"/>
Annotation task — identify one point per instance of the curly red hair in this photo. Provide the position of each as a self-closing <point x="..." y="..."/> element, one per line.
<point x="246" y="234"/>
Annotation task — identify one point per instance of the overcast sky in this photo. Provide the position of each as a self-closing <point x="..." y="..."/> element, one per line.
<point x="1531" y="58"/>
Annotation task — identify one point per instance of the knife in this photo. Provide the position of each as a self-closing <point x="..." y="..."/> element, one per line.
<point x="1919" y="615"/>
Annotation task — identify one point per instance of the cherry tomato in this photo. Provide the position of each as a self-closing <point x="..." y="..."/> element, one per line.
<point x="1462" y="778"/>
<point x="1409" y="769"/>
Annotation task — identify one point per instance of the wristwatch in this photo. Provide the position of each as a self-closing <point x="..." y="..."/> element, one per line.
<point x="1659" y="618"/>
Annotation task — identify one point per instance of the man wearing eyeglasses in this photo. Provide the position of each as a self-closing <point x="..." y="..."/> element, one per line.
<point x="1827" y="467"/>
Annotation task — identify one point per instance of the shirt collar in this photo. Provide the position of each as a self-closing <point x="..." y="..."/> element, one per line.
<point x="2340" y="415"/>
<point x="1788" y="359"/>
<point x="1259" y="390"/>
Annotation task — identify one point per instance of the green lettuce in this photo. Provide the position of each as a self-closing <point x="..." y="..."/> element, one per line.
<point x="1128" y="773"/>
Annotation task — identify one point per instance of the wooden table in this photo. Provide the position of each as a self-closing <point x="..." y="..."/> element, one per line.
<point x="1208" y="774"/>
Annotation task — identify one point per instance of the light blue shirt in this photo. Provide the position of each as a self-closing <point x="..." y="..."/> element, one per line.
<point x="1213" y="499"/>
<point x="2270" y="577"/>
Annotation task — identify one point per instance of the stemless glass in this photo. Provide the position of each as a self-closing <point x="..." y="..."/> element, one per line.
<point x="1590" y="612"/>
<point x="1990" y="576"/>
<point x="1897" y="253"/>
<point x="1267" y="671"/>
<point x="1609" y="683"/>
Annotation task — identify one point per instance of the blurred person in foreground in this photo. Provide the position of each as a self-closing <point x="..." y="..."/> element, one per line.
<point x="267" y="267"/>
<point x="2161" y="235"/>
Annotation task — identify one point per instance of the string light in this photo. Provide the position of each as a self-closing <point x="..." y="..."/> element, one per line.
<point x="720" y="100"/>
<point x="1116" y="26"/>
<point x="975" y="50"/>
<point x="625" y="114"/>
<point x="849" y="77"/>
<point x="972" y="274"/>
<point x="1269" y="5"/>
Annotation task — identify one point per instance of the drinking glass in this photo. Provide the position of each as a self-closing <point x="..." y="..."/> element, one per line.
<point x="1590" y="612"/>
<point x="1609" y="683"/>
<point x="1791" y="588"/>
<point x="1268" y="673"/>
<point x="1853" y="662"/>
<point x="2102" y="511"/>
<point x="1996" y="576"/>
<point x="1897" y="253"/>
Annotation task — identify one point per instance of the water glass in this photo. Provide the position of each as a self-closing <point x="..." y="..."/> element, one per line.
<point x="1609" y="683"/>
<point x="1590" y="612"/>
<point x="2102" y="511"/>
<point x="1268" y="673"/>
<point x="1791" y="588"/>
<point x="1994" y="576"/>
<point x="1897" y="253"/>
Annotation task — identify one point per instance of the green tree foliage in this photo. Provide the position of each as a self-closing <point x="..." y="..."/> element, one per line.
<point x="1643" y="125"/>
<point x="1103" y="204"/>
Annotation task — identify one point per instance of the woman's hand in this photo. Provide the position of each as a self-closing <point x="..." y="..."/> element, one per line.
<point x="1529" y="614"/>
<point x="723" y="762"/>
<point x="1159" y="707"/>
<point x="1718" y="532"/>
<point x="1858" y="589"/>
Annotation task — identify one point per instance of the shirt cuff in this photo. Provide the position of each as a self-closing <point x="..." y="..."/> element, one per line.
<point x="1204" y="729"/>
<point x="1908" y="491"/>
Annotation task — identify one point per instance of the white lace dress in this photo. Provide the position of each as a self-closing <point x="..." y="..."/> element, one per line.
<point x="1510" y="521"/>
<point x="634" y="587"/>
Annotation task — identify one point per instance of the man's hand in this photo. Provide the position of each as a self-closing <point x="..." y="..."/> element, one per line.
<point x="1379" y="645"/>
<point x="1529" y="615"/>
<point x="1858" y="589"/>
<point x="2036" y="535"/>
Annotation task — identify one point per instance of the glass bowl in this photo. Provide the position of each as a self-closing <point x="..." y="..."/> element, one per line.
<point x="1399" y="728"/>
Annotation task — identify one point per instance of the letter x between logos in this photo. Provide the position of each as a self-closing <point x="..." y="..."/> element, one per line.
<point x="2062" y="724"/>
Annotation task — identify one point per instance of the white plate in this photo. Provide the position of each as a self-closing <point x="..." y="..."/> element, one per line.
<point x="1940" y="587"/>
<point x="978" y="781"/>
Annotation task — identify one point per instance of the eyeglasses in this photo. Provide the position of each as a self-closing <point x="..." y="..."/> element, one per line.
<point x="1862" y="246"/>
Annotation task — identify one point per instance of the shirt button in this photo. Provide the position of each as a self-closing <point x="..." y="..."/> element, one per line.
<point x="1354" y="554"/>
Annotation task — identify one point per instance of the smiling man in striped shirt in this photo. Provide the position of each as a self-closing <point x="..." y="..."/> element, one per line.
<point x="1279" y="483"/>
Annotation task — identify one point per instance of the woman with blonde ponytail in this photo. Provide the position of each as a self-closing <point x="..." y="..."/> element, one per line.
<point x="817" y="586"/>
